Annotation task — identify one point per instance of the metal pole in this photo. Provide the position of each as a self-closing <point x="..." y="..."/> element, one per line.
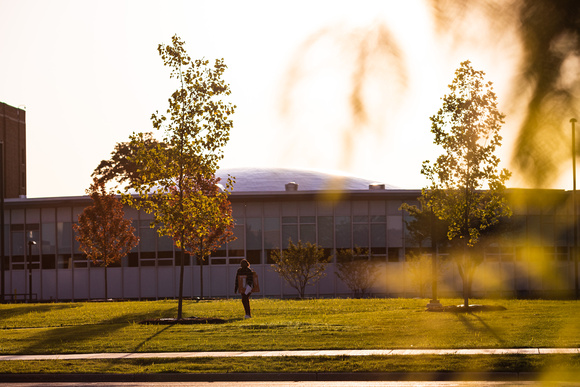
<point x="434" y="303"/>
<point x="434" y="261"/>
<point x="30" y="244"/>
<point x="575" y="206"/>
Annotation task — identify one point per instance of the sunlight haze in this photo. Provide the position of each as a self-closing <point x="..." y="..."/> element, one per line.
<point x="88" y="75"/>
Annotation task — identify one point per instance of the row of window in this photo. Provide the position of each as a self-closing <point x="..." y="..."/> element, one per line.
<point x="383" y="234"/>
<point x="170" y="258"/>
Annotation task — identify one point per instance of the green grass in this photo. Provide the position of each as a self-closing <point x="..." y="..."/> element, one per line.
<point x="286" y="324"/>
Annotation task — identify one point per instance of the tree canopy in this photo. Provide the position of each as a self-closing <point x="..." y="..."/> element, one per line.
<point x="122" y="167"/>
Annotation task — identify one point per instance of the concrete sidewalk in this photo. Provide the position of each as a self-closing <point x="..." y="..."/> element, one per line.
<point x="362" y="352"/>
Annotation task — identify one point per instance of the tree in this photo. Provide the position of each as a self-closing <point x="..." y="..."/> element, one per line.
<point x="122" y="167"/>
<point x="209" y="226"/>
<point x="300" y="264"/>
<point x="196" y="129"/>
<point x="466" y="186"/>
<point x="104" y="234"/>
<point x="356" y="270"/>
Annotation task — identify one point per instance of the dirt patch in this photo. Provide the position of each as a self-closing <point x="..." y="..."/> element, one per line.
<point x="184" y="321"/>
<point x="470" y="309"/>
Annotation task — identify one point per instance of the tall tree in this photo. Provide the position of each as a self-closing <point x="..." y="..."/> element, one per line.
<point x="300" y="264"/>
<point x="103" y="233"/>
<point x="466" y="185"/>
<point x="196" y="128"/>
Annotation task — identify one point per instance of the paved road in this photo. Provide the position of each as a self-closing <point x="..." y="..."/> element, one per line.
<point x="300" y="384"/>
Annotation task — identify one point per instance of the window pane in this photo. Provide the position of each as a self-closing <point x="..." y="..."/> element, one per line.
<point x="148" y="237"/>
<point x="237" y="244"/>
<point x="361" y="235"/>
<point x="325" y="231"/>
<point x="48" y="238"/>
<point x="17" y="242"/>
<point x="395" y="231"/>
<point x="271" y="233"/>
<point x="378" y="238"/>
<point x="343" y="232"/>
<point x="64" y="261"/>
<point x="254" y="233"/>
<point x="289" y="219"/>
<point x="308" y="233"/>
<point x="289" y="232"/>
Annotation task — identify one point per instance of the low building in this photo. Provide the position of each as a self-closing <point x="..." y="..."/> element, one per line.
<point x="532" y="257"/>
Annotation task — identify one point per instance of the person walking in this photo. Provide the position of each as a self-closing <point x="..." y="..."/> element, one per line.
<point x="245" y="290"/>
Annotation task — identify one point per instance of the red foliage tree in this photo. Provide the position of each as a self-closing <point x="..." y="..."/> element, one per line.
<point x="104" y="234"/>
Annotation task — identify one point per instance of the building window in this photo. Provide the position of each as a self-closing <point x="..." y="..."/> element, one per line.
<point x="254" y="240"/>
<point x="271" y="237"/>
<point x="343" y="235"/>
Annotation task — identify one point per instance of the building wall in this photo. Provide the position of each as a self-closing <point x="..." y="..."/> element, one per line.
<point x="532" y="257"/>
<point x="13" y="135"/>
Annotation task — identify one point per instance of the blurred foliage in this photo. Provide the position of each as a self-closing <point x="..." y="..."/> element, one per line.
<point x="544" y="94"/>
<point x="548" y="84"/>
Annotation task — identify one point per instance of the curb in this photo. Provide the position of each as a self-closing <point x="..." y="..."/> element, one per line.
<point x="323" y="376"/>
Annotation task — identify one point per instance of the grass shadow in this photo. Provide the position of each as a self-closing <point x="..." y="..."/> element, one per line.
<point x="483" y="326"/>
<point x="24" y="309"/>
<point x="54" y="339"/>
<point x="140" y="345"/>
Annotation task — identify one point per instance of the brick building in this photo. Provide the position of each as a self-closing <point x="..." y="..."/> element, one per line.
<point x="13" y="135"/>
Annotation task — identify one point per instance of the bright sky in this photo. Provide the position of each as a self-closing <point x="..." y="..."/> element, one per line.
<point x="88" y="75"/>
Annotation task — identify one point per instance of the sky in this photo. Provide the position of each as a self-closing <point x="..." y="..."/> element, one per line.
<point x="88" y="75"/>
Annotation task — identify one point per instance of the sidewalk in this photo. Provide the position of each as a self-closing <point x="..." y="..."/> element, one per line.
<point x="363" y="352"/>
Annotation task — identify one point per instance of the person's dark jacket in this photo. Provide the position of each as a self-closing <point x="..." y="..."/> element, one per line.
<point x="249" y="273"/>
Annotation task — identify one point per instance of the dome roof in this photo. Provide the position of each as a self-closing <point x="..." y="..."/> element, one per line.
<point x="275" y="179"/>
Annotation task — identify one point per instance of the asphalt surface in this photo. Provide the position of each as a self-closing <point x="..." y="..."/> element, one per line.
<point x="299" y="384"/>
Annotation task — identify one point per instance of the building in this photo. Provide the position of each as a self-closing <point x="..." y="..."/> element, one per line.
<point x="532" y="258"/>
<point x="13" y="136"/>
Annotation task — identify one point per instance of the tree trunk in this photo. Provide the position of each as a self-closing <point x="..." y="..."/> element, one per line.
<point x="200" y="260"/>
<point x="106" y="284"/>
<point x="200" y="255"/>
<point x="180" y="301"/>
<point x="465" y="279"/>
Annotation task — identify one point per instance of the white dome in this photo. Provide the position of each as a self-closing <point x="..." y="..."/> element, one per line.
<point x="275" y="179"/>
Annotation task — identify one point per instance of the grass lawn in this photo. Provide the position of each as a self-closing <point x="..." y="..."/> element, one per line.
<point x="288" y="324"/>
